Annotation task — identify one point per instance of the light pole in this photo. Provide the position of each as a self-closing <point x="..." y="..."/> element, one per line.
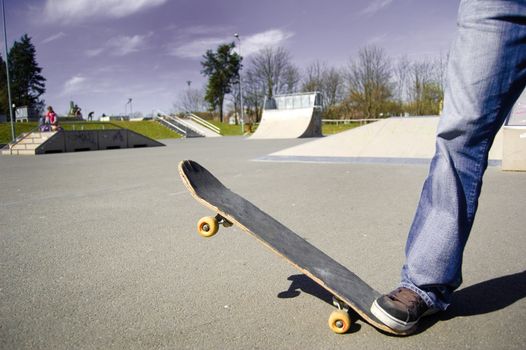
<point x="240" y="88"/>
<point x="125" y="107"/>
<point x="8" y="79"/>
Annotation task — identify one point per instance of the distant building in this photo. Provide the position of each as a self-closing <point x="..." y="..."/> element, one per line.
<point x="26" y="114"/>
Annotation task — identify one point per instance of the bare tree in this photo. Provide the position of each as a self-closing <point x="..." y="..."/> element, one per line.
<point x="401" y="72"/>
<point x="425" y="87"/>
<point x="369" y="79"/>
<point x="191" y="100"/>
<point x="253" y="94"/>
<point x="273" y="67"/>
<point x="329" y="81"/>
<point x="291" y="79"/>
<point x="441" y="68"/>
<point x="313" y="76"/>
<point x="333" y="86"/>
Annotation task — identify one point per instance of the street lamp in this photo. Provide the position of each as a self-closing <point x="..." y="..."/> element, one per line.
<point x="240" y="87"/>
<point x="126" y="104"/>
<point x="7" y="76"/>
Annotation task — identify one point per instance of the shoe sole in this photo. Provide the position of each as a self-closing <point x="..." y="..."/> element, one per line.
<point x="394" y="323"/>
<point x="391" y="322"/>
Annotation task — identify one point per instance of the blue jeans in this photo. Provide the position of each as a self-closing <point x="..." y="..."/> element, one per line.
<point x="486" y="74"/>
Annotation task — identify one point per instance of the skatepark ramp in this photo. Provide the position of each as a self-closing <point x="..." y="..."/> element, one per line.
<point x="76" y="141"/>
<point x="190" y="126"/>
<point x="514" y="135"/>
<point x="392" y="140"/>
<point x="290" y="116"/>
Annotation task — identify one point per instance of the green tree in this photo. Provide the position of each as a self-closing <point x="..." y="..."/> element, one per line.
<point x="222" y="69"/>
<point x="4" y="104"/>
<point x="27" y="82"/>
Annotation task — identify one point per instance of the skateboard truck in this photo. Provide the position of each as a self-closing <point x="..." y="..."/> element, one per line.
<point x="209" y="225"/>
<point x="339" y="320"/>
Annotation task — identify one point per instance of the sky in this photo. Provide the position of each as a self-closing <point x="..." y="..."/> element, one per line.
<point x="100" y="53"/>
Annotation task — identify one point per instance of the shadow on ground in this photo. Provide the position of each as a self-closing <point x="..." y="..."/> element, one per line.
<point x="481" y="298"/>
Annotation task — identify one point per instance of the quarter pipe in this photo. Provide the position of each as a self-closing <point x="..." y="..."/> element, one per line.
<point x="290" y="116"/>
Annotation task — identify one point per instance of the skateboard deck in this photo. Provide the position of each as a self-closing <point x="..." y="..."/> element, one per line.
<point x="347" y="288"/>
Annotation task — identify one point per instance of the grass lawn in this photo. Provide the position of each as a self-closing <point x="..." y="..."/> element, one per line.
<point x="329" y="129"/>
<point x="80" y="126"/>
<point x="5" y="130"/>
<point x="147" y="128"/>
<point x="227" y="129"/>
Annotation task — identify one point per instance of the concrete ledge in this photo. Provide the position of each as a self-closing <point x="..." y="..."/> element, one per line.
<point x="94" y="140"/>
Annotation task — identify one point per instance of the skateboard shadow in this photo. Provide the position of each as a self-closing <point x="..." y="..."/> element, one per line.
<point x="482" y="298"/>
<point x="302" y="283"/>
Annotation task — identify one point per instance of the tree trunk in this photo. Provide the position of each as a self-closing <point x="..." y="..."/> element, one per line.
<point x="221" y="99"/>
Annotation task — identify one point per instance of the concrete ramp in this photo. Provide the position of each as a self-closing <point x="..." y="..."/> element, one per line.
<point x="290" y="116"/>
<point x="95" y="140"/>
<point x="514" y="146"/>
<point x="395" y="140"/>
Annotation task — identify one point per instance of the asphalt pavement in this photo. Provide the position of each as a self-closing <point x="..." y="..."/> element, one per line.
<point x="98" y="250"/>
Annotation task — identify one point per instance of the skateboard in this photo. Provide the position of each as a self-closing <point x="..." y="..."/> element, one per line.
<point x="348" y="290"/>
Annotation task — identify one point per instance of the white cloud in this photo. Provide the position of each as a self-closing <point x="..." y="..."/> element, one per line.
<point x="74" y="85"/>
<point x="249" y="45"/>
<point x="204" y="29"/>
<point x="53" y="37"/>
<point x="94" y="52"/>
<point x="256" y="42"/>
<point x="68" y="11"/>
<point x="377" y="39"/>
<point x="375" y="6"/>
<point x="196" y="48"/>
<point x="121" y="45"/>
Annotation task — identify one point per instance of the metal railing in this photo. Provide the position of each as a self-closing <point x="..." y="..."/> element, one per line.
<point x="204" y="123"/>
<point x="164" y="120"/>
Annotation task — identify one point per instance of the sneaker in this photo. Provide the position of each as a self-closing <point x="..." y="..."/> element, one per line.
<point x="401" y="309"/>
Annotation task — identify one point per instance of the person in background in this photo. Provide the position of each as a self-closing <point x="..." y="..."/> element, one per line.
<point x="52" y="118"/>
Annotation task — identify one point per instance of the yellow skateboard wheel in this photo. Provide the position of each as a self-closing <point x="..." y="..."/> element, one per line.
<point x="207" y="226"/>
<point x="339" y="321"/>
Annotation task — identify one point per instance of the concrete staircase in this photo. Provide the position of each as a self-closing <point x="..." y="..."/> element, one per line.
<point x="27" y="143"/>
<point x="190" y="126"/>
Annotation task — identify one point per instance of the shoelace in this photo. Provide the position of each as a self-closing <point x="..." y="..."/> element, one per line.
<point x="406" y="297"/>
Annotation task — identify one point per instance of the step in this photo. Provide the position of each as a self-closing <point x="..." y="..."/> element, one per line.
<point x="22" y="146"/>
<point x="42" y="134"/>
<point x="33" y="140"/>
<point x="24" y="152"/>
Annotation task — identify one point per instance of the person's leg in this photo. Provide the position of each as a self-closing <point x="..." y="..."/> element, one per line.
<point x="486" y="74"/>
